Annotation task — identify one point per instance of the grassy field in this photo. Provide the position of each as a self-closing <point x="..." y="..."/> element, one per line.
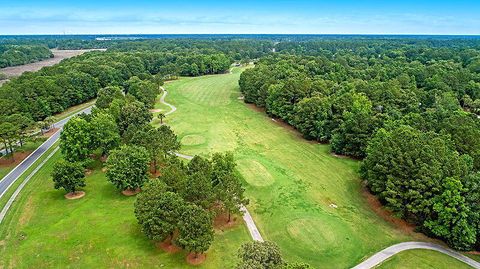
<point x="421" y="259"/>
<point x="44" y="230"/>
<point x="301" y="197"/>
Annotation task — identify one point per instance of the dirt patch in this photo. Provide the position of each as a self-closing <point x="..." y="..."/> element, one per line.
<point x="167" y="246"/>
<point x="156" y="110"/>
<point x="129" y="192"/>
<point x="385" y="214"/>
<point x="74" y="195"/>
<point x="50" y="132"/>
<point x="88" y="172"/>
<point x="154" y="174"/>
<point x="221" y="221"/>
<point x="196" y="259"/>
<point x="18" y="157"/>
<point x="27" y="212"/>
<point x="59" y="55"/>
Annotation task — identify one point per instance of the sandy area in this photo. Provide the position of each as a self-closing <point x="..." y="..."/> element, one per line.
<point x="59" y="55"/>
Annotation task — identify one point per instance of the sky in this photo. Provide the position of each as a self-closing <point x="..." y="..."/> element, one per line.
<point x="239" y="17"/>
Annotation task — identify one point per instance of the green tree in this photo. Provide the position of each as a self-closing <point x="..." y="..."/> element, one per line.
<point x="104" y="131"/>
<point x="199" y="190"/>
<point x="199" y="164"/>
<point x="358" y="126"/>
<point x="133" y="115"/>
<point x="8" y="136"/>
<point x="23" y="124"/>
<point x="68" y="175"/>
<point x="168" y="140"/>
<point x="127" y="167"/>
<point x="311" y="116"/>
<point x="161" y="116"/>
<point x="451" y="216"/>
<point x="174" y="175"/>
<point x="405" y="167"/>
<point x="265" y="255"/>
<point x="228" y="188"/>
<point x="76" y="139"/>
<point x="158" y="211"/>
<point x="105" y="96"/>
<point x="195" y="230"/>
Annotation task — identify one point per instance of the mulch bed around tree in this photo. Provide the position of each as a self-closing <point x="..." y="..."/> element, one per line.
<point x="167" y="246"/>
<point x="50" y="132"/>
<point x="221" y="221"/>
<point x="74" y="195"/>
<point x="199" y="259"/>
<point x="130" y="192"/>
<point x="385" y="214"/>
<point x="18" y="157"/>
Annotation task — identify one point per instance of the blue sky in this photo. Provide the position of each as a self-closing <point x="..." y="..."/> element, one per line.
<point x="239" y="17"/>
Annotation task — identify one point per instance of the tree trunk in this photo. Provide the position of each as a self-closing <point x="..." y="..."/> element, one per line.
<point x="229" y="216"/>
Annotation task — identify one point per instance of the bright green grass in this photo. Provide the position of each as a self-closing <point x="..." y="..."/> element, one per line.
<point x="291" y="183"/>
<point x="44" y="230"/>
<point x="422" y="259"/>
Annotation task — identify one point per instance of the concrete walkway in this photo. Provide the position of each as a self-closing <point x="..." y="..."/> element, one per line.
<point x="383" y="255"/>
<point x="252" y="228"/>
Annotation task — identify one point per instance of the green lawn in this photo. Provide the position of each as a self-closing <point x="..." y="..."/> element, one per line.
<point x="422" y="259"/>
<point x="44" y="230"/>
<point x="293" y="185"/>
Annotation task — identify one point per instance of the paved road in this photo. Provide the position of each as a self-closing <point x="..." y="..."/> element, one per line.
<point x="252" y="228"/>
<point x="381" y="256"/>
<point x="11" y="177"/>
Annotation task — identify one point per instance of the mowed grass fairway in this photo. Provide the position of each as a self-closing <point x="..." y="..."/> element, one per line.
<point x="44" y="230"/>
<point x="303" y="198"/>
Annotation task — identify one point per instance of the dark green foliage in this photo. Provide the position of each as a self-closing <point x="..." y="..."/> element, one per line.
<point x="76" y="139"/>
<point x="451" y="216"/>
<point x="12" y="55"/>
<point x="195" y="229"/>
<point x="104" y="132"/>
<point x="260" y="255"/>
<point x="68" y="175"/>
<point x="405" y="167"/>
<point x="127" y="167"/>
<point x="143" y="90"/>
<point x="158" y="211"/>
<point x="133" y="115"/>
<point x="106" y="96"/>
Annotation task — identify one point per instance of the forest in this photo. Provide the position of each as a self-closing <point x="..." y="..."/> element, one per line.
<point x="410" y="110"/>
<point x="13" y="55"/>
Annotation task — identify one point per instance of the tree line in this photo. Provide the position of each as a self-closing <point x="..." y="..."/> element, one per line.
<point x="13" y="55"/>
<point x="407" y="110"/>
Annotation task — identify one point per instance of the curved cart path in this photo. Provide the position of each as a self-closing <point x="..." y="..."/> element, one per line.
<point x="252" y="228"/>
<point x="371" y="262"/>
<point x="383" y="255"/>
